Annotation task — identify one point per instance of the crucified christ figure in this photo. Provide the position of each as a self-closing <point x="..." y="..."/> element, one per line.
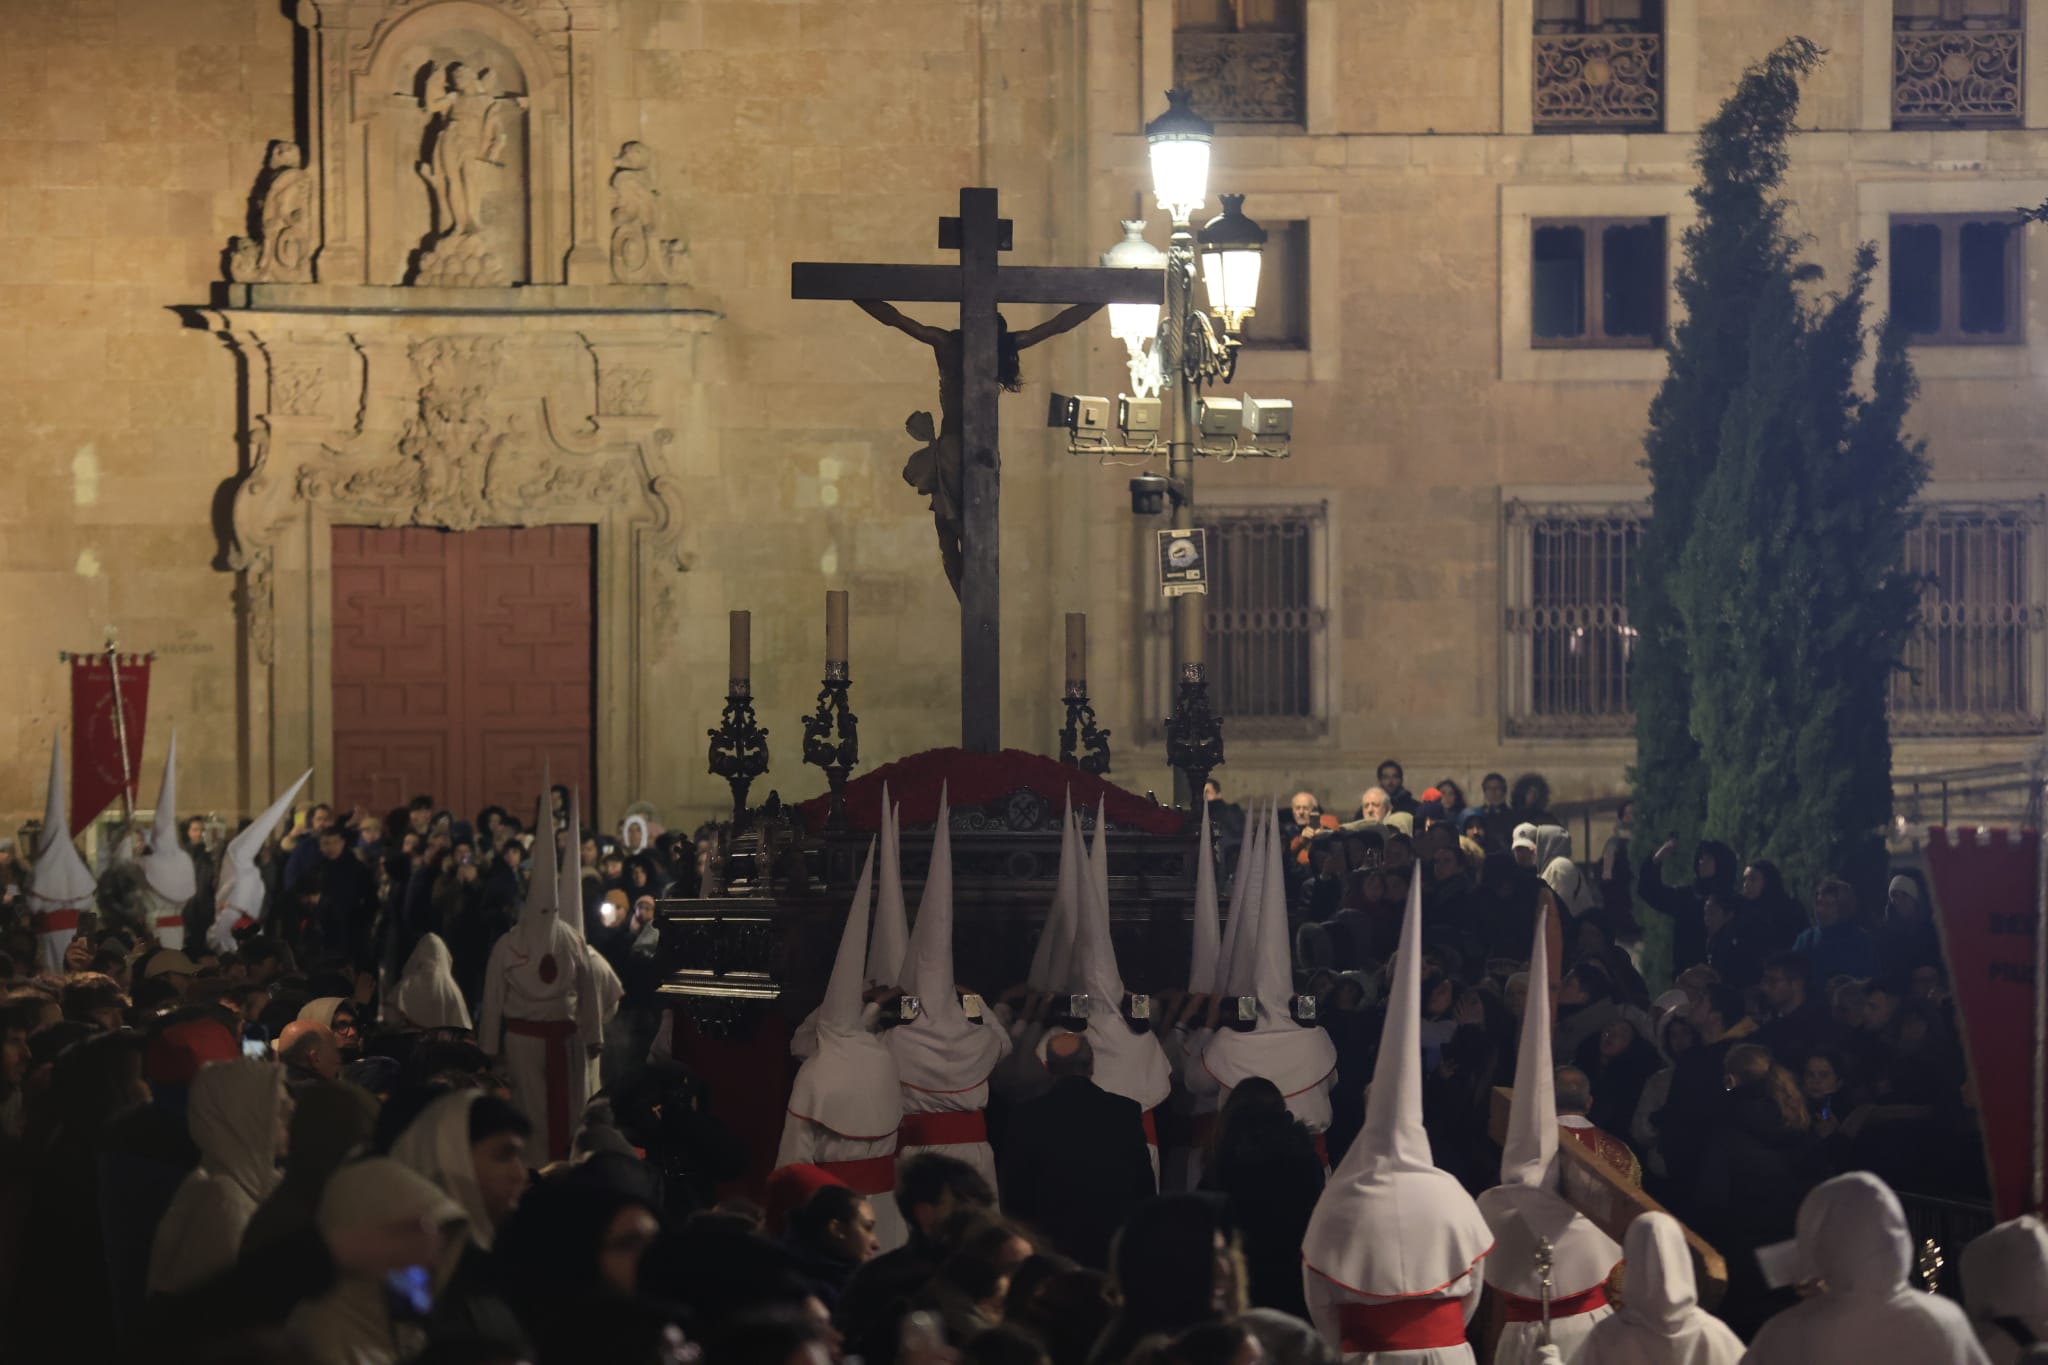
<point x="935" y="470"/>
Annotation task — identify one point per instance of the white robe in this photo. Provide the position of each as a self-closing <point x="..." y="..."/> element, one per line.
<point x="1583" y="1257"/>
<point x="1325" y="1299"/>
<point x="979" y="1155"/>
<point x="514" y="994"/>
<point x="1660" y="1322"/>
<point x="1852" y="1234"/>
<point x="2005" y="1275"/>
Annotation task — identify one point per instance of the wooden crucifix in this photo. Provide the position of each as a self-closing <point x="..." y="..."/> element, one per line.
<point x="977" y="284"/>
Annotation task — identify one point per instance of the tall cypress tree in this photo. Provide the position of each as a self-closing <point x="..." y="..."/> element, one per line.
<point x="1769" y="598"/>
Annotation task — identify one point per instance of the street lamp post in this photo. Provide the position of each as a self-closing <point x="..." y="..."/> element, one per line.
<point x="1187" y="353"/>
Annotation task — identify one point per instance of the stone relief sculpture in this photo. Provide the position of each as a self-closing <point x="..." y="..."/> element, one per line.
<point x="466" y="141"/>
<point x="640" y="254"/>
<point x="453" y="437"/>
<point x="282" y="252"/>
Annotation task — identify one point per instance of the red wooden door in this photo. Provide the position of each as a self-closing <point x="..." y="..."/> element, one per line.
<point x="462" y="664"/>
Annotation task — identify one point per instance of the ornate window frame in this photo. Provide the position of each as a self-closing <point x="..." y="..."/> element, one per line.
<point x="1874" y="104"/>
<point x="1319" y="69"/>
<point x="1518" y="70"/>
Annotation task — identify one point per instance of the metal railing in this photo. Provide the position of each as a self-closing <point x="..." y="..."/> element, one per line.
<point x="1606" y="82"/>
<point x="2006" y="795"/>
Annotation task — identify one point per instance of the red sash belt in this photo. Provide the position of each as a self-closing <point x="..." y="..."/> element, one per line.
<point x="951" y="1128"/>
<point x="1322" y="1149"/>
<point x="1151" y="1130"/>
<point x="1401" y="1325"/>
<point x="53" y="921"/>
<point x="869" y="1175"/>
<point x="557" y="1076"/>
<point x="1515" y="1308"/>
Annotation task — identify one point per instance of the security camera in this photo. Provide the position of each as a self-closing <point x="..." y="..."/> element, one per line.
<point x="1137" y="416"/>
<point x="1078" y="413"/>
<point x="1268" y="417"/>
<point x="1148" y="495"/>
<point x="1218" y="416"/>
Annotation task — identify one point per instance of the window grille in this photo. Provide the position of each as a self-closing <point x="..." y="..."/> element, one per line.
<point x="1568" y="639"/>
<point x="1972" y="665"/>
<point x="1267" y="615"/>
<point x="1241" y="60"/>
<point x="1958" y="63"/>
<point x="1599" y="65"/>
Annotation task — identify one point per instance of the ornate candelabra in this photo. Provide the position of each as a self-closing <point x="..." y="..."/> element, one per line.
<point x="739" y="746"/>
<point x="1083" y="743"/>
<point x="1194" y="733"/>
<point x="832" y="738"/>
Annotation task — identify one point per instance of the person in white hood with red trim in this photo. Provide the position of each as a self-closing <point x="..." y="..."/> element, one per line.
<point x="889" y="939"/>
<point x="60" y="888"/>
<point x="540" y="1009"/>
<point x="847" y="1103"/>
<point x="1526" y="1206"/>
<point x="943" y="1057"/>
<point x="1127" y="1062"/>
<point x="238" y="896"/>
<point x="1301" y="1061"/>
<point x="169" y="880"/>
<point x="1191" y="1034"/>
<point x="1661" y="1321"/>
<point x="1854" y="1248"/>
<point x="1392" y="1257"/>
<point x="605" y="985"/>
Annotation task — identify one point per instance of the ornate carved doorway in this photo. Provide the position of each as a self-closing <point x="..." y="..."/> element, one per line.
<point x="462" y="663"/>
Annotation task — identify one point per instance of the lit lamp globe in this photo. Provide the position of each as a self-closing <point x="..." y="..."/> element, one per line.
<point x="1134" y="324"/>
<point x="1231" y="246"/>
<point x="1179" y="141"/>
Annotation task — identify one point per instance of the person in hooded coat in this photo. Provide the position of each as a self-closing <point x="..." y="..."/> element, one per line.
<point x="1526" y="1206"/>
<point x="1713" y="874"/>
<point x="1301" y="1061"/>
<point x="427" y="996"/>
<point x="2005" y="1288"/>
<point x="60" y="888"/>
<point x="169" y="879"/>
<point x="943" y="1058"/>
<point x="240" y="894"/>
<point x="353" y="1323"/>
<point x="1391" y="1262"/>
<point x="847" y="1103"/>
<point x="1854" y="1241"/>
<point x="238" y="1112"/>
<point x="540" y="1014"/>
<point x="1661" y="1321"/>
<point x="331" y="1123"/>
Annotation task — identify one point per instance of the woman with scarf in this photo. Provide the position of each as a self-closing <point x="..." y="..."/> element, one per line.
<point x="1713" y="873"/>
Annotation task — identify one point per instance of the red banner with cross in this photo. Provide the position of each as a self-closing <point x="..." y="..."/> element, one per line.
<point x="1987" y="904"/>
<point x="106" y="735"/>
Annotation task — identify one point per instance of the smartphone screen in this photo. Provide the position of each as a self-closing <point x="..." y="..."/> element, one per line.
<point x="257" y="1048"/>
<point x="409" y="1292"/>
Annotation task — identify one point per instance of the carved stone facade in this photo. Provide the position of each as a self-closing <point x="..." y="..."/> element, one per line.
<point x="435" y="333"/>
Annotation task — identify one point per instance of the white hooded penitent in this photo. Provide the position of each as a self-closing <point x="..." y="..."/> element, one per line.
<point x="1301" y="1061"/>
<point x="1208" y="936"/>
<point x="1052" y="961"/>
<point x="1391" y="1229"/>
<point x="540" y="1008"/>
<point x="847" y="1102"/>
<point x="168" y="879"/>
<point x="1526" y="1206"/>
<point x="943" y="1057"/>
<point x="605" y="986"/>
<point x="59" y="886"/>
<point x="1661" y="1322"/>
<point x="1127" y="1063"/>
<point x="427" y="996"/>
<point x="1234" y="968"/>
<point x="889" y="947"/>
<point x="2005" y="1286"/>
<point x="238" y="896"/>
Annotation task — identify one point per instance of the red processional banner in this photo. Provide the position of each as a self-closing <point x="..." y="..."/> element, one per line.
<point x="100" y="731"/>
<point x="1986" y="904"/>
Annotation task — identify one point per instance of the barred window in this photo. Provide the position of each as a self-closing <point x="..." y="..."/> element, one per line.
<point x="1599" y="65"/>
<point x="1267" y="612"/>
<point x="1568" y="640"/>
<point x="1973" y="663"/>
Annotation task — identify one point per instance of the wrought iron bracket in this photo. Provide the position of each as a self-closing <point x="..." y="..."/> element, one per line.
<point x="1081" y="733"/>
<point x="1194" y="733"/>
<point x="832" y="739"/>
<point x="739" y="748"/>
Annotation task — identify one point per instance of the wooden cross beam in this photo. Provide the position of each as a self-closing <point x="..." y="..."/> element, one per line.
<point x="978" y="284"/>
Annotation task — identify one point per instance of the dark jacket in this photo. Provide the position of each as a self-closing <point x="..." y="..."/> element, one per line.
<point x="874" y="1299"/>
<point x="1074" y="1165"/>
<point x="1794" y="1037"/>
<point x="1270" y="1177"/>
<point x="1737" y="951"/>
<point x="1686" y="905"/>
